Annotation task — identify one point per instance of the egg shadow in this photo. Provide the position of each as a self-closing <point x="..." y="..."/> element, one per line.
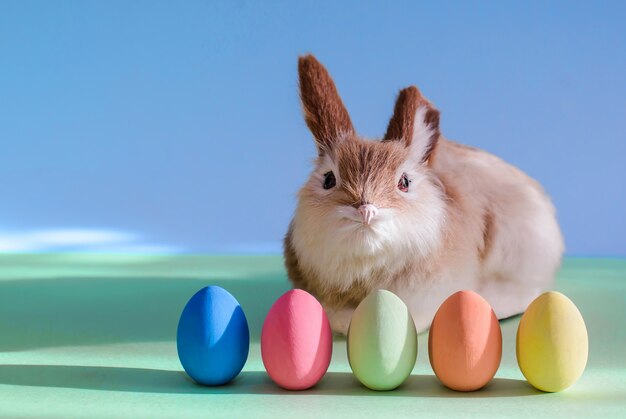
<point x="144" y="380"/>
<point x="337" y="383"/>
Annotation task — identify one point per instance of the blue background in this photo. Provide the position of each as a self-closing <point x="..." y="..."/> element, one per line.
<point x="176" y="126"/>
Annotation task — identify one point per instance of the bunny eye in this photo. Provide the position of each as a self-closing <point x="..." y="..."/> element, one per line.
<point x="329" y="180"/>
<point x="403" y="183"/>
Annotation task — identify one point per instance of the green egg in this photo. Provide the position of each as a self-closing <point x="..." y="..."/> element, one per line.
<point x="382" y="341"/>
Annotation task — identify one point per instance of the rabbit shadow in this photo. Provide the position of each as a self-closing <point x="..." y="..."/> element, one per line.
<point x="144" y="380"/>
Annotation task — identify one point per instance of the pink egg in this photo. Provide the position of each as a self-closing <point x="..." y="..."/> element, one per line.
<point x="296" y="341"/>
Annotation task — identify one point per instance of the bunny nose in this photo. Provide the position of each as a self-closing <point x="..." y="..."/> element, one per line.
<point x="368" y="212"/>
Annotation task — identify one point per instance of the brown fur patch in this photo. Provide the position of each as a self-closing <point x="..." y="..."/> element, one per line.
<point x="368" y="171"/>
<point x="403" y="120"/>
<point x="324" y="112"/>
<point x="349" y="298"/>
<point x="291" y="262"/>
<point x="488" y="234"/>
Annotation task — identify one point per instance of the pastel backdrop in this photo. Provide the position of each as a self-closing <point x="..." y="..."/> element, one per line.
<point x="160" y="127"/>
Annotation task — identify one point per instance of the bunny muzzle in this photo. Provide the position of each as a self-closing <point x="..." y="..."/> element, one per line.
<point x="367" y="212"/>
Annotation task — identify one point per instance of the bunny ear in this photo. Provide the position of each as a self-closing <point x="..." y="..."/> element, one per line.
<point x="324" y="112"/>
<point x="415" y="122"/>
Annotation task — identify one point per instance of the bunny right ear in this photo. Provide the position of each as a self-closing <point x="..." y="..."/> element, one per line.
<point x="324" y="112"/>
<point x="415" y="122"/>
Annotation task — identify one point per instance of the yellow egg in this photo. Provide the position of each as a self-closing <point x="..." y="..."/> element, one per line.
<point x="552" y="343"/>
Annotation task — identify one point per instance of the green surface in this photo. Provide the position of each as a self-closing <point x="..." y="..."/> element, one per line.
<point x="94" y="336"/>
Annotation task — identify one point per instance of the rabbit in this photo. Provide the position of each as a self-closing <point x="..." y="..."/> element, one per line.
<point x="413" y="213"/>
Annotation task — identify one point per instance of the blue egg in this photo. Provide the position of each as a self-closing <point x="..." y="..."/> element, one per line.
<point x="213" y="337"/>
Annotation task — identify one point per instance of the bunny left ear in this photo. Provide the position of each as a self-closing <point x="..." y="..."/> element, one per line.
<point x="415" y="122"/>
<point x="324" y="111"/>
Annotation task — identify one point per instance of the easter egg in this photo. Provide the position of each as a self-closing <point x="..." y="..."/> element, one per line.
<point x="382" y="341"/>
<point x="296" y="341"/>
<point x="552" y="342"/>
<point x="212" y="337"/>
<point x="465" y="342"/>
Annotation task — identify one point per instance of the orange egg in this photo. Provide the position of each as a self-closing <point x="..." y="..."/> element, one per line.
<point x="465" y="342"/>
